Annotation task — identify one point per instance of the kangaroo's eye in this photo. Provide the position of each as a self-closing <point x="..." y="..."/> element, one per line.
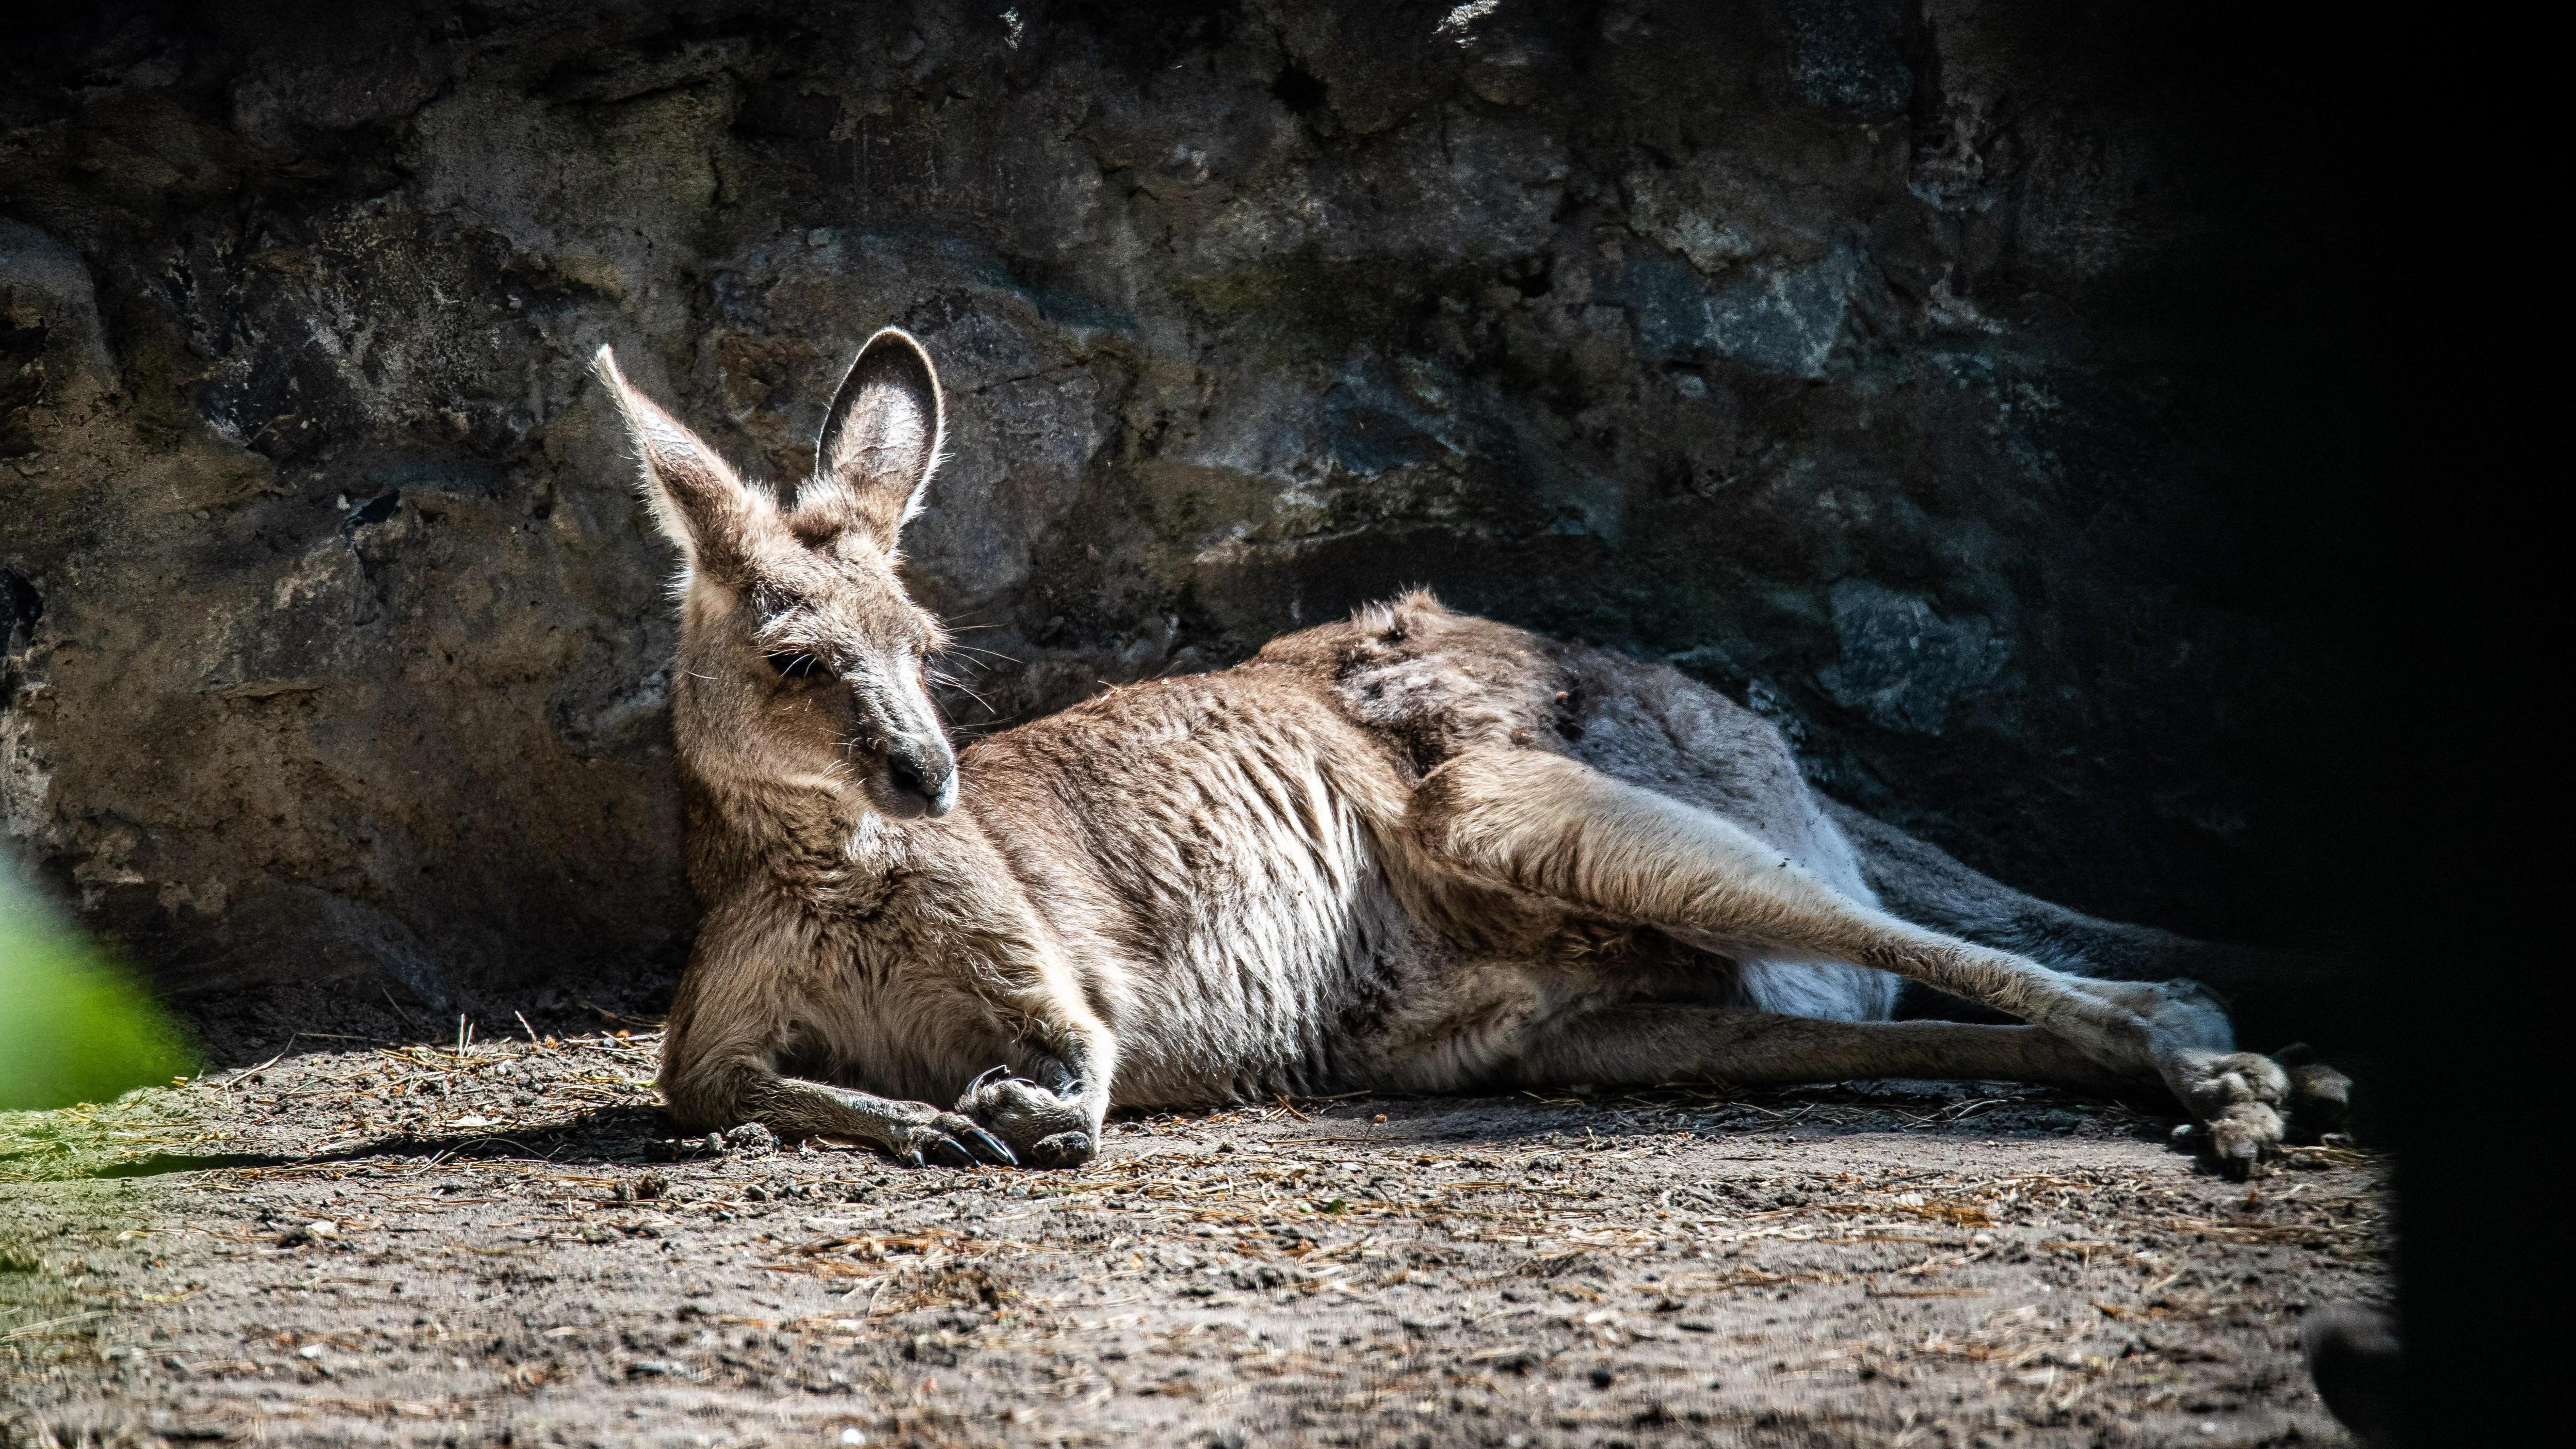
<point x="794" y="664"/>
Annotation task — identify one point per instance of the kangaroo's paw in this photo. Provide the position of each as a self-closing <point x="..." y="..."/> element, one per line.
<point x="2250" y="1104"/>
<point x="1043" y="1128"/>
<point x="951" y="1140"/>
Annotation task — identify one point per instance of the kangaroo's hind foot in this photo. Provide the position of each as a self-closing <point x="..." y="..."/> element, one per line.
<point x="2248" y="1103"/>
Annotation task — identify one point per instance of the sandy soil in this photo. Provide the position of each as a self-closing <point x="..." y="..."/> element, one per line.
<point x="505" y="1245"/>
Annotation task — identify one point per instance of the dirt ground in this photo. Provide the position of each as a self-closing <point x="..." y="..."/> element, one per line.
<point x="504" y="1244"/>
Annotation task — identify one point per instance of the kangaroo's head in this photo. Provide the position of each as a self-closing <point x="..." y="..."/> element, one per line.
<point x="801" y="657"/>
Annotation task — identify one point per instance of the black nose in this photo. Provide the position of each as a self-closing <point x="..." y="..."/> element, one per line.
<point x="905" y="771"/>
<point x="929" y="782"/>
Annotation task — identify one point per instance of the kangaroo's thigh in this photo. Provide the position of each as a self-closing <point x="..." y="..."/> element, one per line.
<point x="1652" y="726"/>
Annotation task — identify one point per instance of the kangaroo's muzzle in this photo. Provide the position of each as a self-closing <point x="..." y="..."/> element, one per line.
<point x="920" y="779"/>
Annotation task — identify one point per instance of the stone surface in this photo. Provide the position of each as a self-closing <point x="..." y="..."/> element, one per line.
<point x="1948" y="382"/>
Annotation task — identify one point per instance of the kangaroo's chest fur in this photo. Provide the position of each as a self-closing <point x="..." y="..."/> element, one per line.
<point x="1222" y="863"/>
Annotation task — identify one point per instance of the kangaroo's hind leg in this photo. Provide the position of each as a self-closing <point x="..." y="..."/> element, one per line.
<point x="1555" y="827"/>
<point x="1922" y="883"/>
<point x="1648" y="1045"/>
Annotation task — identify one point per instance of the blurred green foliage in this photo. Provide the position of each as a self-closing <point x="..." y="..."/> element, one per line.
<point x="74" y="1026"/>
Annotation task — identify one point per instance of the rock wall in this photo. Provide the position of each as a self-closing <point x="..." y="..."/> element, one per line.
<point x="1954" y="383"/>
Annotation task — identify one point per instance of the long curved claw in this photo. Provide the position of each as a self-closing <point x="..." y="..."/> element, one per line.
<point x="951" y="1152"/>
<point x="989" y="1147"/>
<point x="1073" y="1089"/>
<point x="912" y="1154"/>
<point x="983" y="1077"/>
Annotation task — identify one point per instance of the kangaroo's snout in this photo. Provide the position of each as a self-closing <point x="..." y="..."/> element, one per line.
<point x="916" y="771"/>
<point x="920" y="778"/>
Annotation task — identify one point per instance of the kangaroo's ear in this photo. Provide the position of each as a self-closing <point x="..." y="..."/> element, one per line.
<point x="698" y="501"/>
<point x="880" y="444"/>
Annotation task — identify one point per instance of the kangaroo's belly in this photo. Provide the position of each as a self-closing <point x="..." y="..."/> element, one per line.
<point x="1297" y="942"/>
<point x="1271" y="966"/>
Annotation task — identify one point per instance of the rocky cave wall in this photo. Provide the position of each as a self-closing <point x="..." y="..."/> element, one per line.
<point x="1952" y="383"/>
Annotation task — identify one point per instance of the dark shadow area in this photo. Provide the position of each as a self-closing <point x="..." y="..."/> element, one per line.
<point x="2001" y="1110"/>
<point x="599" y="1136"/>
<point x="602" y="1136"/>
<point x="252" y="1022"/>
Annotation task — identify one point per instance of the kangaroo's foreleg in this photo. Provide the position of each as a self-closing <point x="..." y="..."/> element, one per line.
<point x="730" y="1026"/>
<point x="712" y="1094"/>
<point x="1553" y="826"/>
<point x="1003" y="1120"/>
<point x="1040" y="1061"/>
<point x="1650" y="1045"/>
<point x="1047" y="1096"/>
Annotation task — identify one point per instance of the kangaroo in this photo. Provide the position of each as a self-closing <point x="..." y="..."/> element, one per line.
<point x="1413" y="852"/>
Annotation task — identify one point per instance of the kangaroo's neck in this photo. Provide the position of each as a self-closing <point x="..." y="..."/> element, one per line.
<point x="810" y="838"/>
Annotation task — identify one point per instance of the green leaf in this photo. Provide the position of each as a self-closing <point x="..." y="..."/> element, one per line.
<point x="74" y="1025"/>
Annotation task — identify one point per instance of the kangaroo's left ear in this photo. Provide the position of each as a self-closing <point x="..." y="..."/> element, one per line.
<point x="880" y="444"/>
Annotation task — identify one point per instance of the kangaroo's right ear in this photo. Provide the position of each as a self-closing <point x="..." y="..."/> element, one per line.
<point x="699" y="502"/>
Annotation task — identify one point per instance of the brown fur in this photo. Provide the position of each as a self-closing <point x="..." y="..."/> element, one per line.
<point x="1415" y="851"/>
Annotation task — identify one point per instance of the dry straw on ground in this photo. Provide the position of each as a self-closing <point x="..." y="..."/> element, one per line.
<point x="500" y="1241"/>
